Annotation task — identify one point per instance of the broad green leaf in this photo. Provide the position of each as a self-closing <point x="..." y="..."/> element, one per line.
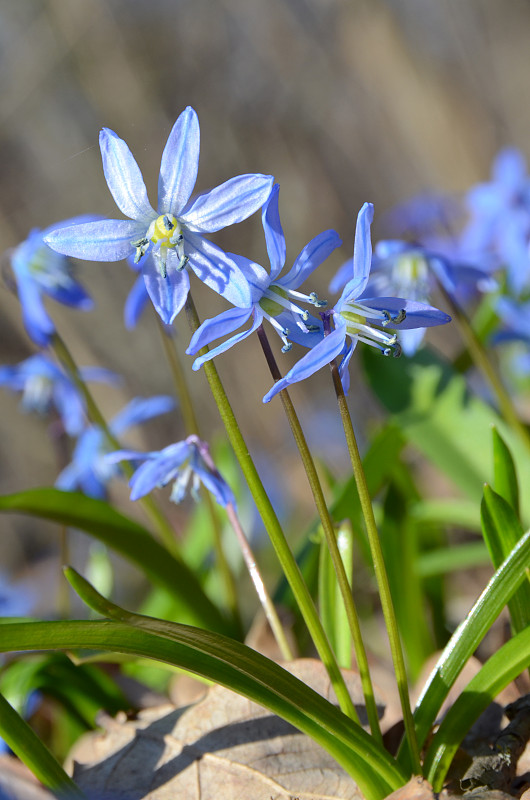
<point x="448" y="511"/>
<point x="502" y="530"/>
<point x="28" y="747"/>
<point x="505" y="665"/>
<point x="504" y="472"/>
<point x="468" y="636"/>
<point x="129" y="539"/>
<point x="450" y="559"/>
<point x="230" y="664"/>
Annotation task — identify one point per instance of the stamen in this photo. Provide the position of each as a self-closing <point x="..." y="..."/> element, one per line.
<point x="183" y="262"/>
<point x="313" y="298"/>
<point x="140" y="246"/>
<point x="396" y="318"/>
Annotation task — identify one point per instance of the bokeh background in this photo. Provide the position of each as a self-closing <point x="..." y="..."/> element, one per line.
<point x="342" y="102"/>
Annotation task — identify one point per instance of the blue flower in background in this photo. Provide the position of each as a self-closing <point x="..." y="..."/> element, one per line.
<point x="89" y="470"/>
<point x="515" y="319"/>
<point x="188" y="463"/>
<point x="359" y="318"/>
<point x="44" y="386"/>
<point x="272" y="298"/>
<point x="172" y="235"/>
<point x="40" y="271"/>
<point x="500" y="217"/>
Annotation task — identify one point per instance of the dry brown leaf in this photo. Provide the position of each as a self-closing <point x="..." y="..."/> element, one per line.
<point x="223" y="748"/>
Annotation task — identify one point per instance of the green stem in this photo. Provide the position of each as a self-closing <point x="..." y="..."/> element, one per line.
<point x="272" y="525"/>
<point x="259" y="585"/>
<point x="96" y="417"/>
<point x="484" y="364"/>
<point x="34" y="754"/>
<point x="380" y="570"/>
<point x="191" y="425"/>
<point x="331" y="539"/>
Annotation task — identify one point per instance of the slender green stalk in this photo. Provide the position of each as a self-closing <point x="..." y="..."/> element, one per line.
<point x="32" y="752"/>
<point x="288" y="563"/>
<point x="191" y="425"/>
<point x="485" y="365"/>
<point x="65" y="357"/>
<point x="380" y="570"/>
<point x="259" y="584"/>
<point x="331" y="539"/>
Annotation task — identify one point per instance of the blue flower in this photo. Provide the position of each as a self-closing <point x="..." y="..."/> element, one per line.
<point x="188" y="463"/>
<point x="500" y="217"/>
<point x="89" y="470"/>
<point x="272" y="298"/>
<point x="16" y="599"/>
<point x="44" y="385"/>
<point x="40" y="271"/>
<point x="173" y="234"/>
<point x="361" y="320"/>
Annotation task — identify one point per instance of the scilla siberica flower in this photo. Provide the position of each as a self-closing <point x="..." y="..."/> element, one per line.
<point x="89" y="471"/>
<point x="272" y="298"/>
<point x="361" y="320"/>
<point x="45" y="385"/>
<point x="173" y="234"/>
<point x="40" y="271"/>
<point x="188" y="463"/>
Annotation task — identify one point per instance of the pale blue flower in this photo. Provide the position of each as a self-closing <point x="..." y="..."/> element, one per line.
<point x="89" y="470"/>
<point x="360" y="319"/>
<point x="187" y="463"/>
<point x="40" y="271"/>
<point x="172" y="235"/>
<point x="272" y="298"/>
<point x="44" y="386"/>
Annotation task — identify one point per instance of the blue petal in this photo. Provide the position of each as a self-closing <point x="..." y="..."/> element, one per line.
<point x="344" y="364"/>
<point x="36" y="320"/>
<point x="231" y="202"/>
<point x="72" y="295"/>
<point x="136" y="302"/>
<point x="106" y="240"/>
<point x="217" y="270"/>
<point x="362" y="255"/>
<point x="222" y="348"/>
<point x="159" y="469"/>
<point x="214" y="483"/>
<point x="70" y="407"/>
<point x="169" y="293"/>
<point x="124" y="178"/>
<point x="274" y="237"/>
<point x="310" y="258"/>
<point x="509" y="169"/>
<point x="180" y="162"/>
<point x="341" y="277"/>
<point x="141" y="409"/>
<point x="323" y="353"/>
<point x="418" y="315"/>
<point x="411" y="340"/>
<point x="221" y="325"/>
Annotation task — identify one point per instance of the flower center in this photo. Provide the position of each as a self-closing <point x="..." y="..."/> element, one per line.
<point x="362" y="327"/>
<point x="166" y="234"/>
<point x="271" y="306"/>
<point x="164" y="229"/>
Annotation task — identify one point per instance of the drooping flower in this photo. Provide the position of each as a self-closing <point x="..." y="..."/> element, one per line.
<point x="272" y="298"/>
<point x="40" y="271"/>
<point x="187" y="463"/>
<point x="89" y="471"/>
<point x="500" y="217"/>
<point x="172" y="235"/>
<point x="359" y="318"/>
<point x="44" y="386"/>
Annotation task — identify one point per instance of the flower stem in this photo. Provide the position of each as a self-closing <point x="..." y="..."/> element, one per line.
<point x="331" y="539"/>
<point x="259" y="585"/>
<point x="191" y="425"/>
<point x="97" y="418"/>
<point x="272" y="525"/>
<point x="485" y="365"/>
<point x="380" y="570"/>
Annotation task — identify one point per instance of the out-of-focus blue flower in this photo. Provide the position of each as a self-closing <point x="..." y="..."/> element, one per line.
<point x="188" y="463"/>
<point x="173" y="234"/>
<point x="361" y="319"/>
<point x="515" y="319"/>
<point x="16" y="600"/>
<point x="89" y="470"/>
<point x="500" y="217"/>
<point x="44" y="385"/>
<point x="40" y="271"/>
<point x="410" y="270"/>
<point x="272" y="298"/>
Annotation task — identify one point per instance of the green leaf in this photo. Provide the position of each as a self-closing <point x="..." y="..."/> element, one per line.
<point x="127" y="537"/>
<point x="28" y="747"/>
<point x="505" y="665"/>
<point x="504" y="472"/>
<point x="230" y="664"/>
<point x="502" y="530"/>
<point x="468" y="636"/>
<point x="450" y="559"/>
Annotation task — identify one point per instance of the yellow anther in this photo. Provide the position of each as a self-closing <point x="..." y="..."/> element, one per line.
<point x="165" y="227"/>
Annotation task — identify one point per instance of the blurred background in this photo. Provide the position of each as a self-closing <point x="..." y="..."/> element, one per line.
<point x="342" y="102"/>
